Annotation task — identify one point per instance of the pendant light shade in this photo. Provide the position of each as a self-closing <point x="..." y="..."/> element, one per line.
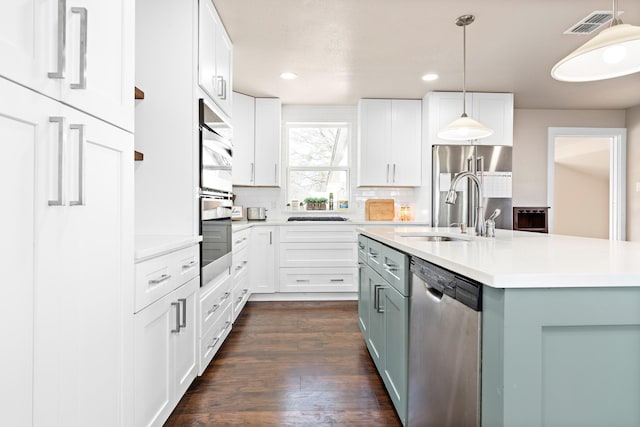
<point x="465" y="128"/>
<point x="614" y="52"/>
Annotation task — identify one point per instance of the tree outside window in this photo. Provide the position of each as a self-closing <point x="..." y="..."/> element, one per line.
<point x="318" y="160"/>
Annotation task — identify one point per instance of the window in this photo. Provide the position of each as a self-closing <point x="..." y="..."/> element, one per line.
<point x="318" y="160"/>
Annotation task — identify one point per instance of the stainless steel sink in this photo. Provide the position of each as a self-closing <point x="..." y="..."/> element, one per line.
<point x="428" y="237"/>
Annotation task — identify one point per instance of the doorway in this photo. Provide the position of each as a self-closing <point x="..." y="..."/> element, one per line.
<point x="586" y="182"/>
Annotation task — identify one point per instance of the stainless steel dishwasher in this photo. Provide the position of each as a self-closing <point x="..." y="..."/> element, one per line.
<point x="444" y="348"/>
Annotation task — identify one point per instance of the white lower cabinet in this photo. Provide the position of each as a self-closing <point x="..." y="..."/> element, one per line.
<point x="241" y="290"/>
<point x="318" y="258"/>
<point x="215" y="310"/>
<point x="165" y="354"/>
<point x="262" y="254"/>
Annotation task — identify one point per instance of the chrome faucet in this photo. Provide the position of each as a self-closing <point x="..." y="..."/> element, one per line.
<point x="452" y="196"/>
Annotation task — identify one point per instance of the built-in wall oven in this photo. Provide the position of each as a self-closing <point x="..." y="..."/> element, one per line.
<point x="216" y="155"/>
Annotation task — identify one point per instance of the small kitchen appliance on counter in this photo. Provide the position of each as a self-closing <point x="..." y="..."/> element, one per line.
<point x="256" y="214"/>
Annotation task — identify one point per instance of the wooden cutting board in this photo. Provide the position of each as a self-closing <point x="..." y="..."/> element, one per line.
<point x="379" y="210"/>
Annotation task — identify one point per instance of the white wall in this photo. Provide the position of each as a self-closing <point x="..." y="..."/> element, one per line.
<point x="581" y="203"/>
<point x="633" y="173"/>
<point x="530" y="146"/>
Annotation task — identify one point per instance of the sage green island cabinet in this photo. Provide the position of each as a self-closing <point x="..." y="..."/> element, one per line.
<point x="383" y="312"/>
<point x="560" y="322"/>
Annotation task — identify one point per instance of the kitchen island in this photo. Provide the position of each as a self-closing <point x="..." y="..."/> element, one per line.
<point x="560" y="339"/>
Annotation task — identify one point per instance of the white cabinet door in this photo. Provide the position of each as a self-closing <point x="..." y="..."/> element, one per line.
<point x="406" y="142"/>
<point x="165" y="354"/>
<point x="267" y="142"/>
<point x="78" y="51"/>
<point x="243" y="139"/>
<point x="495" y="110"/>
<point x="100" y="75"/>
<point x="374" y="142"/>
<point x="224" y="63"/>
<point x="214" y="57"/>
<point x="31" y="43"/>
<point x="262" y="259"/>
<point x="207" y="47"/>
<point x="84" y="308"/>
<point x="389" y="151"/>
<point x="185" y="358"/>
<point x="23" y="131"/>
<point x="153" y="362"/>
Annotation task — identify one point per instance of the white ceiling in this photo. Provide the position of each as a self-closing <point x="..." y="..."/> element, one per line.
<point x="344" y="50"/>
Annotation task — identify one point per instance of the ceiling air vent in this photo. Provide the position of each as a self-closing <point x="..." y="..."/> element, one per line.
<point x="591" y="22"/>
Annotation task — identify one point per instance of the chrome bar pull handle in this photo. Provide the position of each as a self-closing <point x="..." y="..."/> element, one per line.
<point x="387" y="172"/>
<point x="337" y="280"/>
<point x="160" y="279"/>
<point x="80" y="200"/>
<point x="183" y="301"/>
<point x="218" y="83"/>
<point x="375" y="296"/>
<point x="62" y="41"/>
<point x="189" y="265"/>
<point x="302" y="280"/>
<point x="380" y="307"/>
<point x="394" y="173"/>
<point x="225" y="296"/>
<point x="214" y="342"/>
<point x="82" y="81"/>
<point x="253" y="172"/>
<point x="224" y="88"/>
<point x="390" y="267"/>
<point x="226" y="325"/>
<point x="213" y="309"/>
<point x="177" y="306"/>
<point x="275" y="173"/>
<point x="61" y="125"/>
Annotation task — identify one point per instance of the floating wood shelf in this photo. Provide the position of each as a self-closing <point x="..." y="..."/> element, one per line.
<point x="137" y="156"/>
<point x="139" y="94"/>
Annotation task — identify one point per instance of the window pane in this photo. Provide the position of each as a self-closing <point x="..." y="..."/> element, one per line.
<point x="303" y="184"/>
<point x="318" y="146"/>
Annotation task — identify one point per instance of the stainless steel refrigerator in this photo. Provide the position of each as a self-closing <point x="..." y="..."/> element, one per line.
<point x="491" y="163"/>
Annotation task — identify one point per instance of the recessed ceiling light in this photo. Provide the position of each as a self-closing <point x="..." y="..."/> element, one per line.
<point x="430" y="77"/>
<point x="288" y="76"/>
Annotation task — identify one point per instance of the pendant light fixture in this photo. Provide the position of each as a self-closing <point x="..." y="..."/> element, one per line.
<point x="614" y="52"/>
<point x="464" y="128"/>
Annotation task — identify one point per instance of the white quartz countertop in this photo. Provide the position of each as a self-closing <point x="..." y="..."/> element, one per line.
<point x="516" y="259"/>
<point x="241" y="225"/>
<point x="149" y="246"/>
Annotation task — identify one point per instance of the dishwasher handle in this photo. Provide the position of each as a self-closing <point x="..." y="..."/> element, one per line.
<point x="435" y="294"/>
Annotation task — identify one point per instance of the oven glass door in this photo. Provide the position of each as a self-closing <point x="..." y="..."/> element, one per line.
<point x="215" y="162"/>
<point x="215" y="228"/>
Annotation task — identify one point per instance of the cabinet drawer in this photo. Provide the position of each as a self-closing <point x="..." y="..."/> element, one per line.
<point x="215" y="336"/>
<point x="158" y="276"/>
<point x="327" y="279"/>
<point x="214" y="302"/>
<point x="318" y="233"/>
<point x="374" y="255"/>
<point x="362" y="247"/>
<point x="240" y="264"/>
<point x="240" y="239"/>
<point x="240" y="294"/>
<point x="318" y="255"/>
<point x="395" y="268"/>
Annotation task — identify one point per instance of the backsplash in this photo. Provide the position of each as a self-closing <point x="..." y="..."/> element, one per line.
<point x="274" y="200"/>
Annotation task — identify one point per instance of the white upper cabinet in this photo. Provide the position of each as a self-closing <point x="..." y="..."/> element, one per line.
<point x="244" y="114"/>
<point x="389" y="143"/>
<point x="76" y="51"/>
<point x="494" y="110"/>
<point x="214" y="57"/>
<point x="256" y="141"/>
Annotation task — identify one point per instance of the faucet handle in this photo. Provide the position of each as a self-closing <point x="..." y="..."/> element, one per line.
<point x="463" y="226"/>
<point x="490" y="227"/>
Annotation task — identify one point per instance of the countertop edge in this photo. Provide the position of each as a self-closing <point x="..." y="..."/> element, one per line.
<point x="151" y="246"/>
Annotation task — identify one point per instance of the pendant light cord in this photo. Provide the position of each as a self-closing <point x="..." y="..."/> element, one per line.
<point x="614" y="19"/>
<point x="464" y="70"/>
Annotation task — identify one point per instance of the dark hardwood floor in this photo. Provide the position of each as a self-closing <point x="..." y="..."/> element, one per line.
<point x="290" y="364"/>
